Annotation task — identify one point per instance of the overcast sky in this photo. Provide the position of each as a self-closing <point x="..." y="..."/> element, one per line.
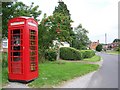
<point x="97" y="16"/>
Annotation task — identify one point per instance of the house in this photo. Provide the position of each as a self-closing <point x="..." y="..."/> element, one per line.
<point x="113" y="45"/>
<point x="61" y="44"/>
<point x="93" y="45"/>
<point x="4" y="45"/>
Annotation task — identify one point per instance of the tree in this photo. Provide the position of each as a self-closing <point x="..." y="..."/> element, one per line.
<point x="53" y="28"/>
<point x="62" y="9"/>
<point x="81" y="39"/>
<point x="99" y="47"/>
<point x="6" y="13"/>
<point x="116" y="40"/>
<point x="11" y="10"/>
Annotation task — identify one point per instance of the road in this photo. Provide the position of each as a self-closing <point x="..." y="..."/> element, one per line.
<point x="107" y="75"/>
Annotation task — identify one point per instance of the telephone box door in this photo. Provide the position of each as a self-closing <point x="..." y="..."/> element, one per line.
<point x="16" y="51"/>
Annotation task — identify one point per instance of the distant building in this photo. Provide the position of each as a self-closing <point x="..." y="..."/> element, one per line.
<point x="93" y="45"/>
<point x="112" y="46"/>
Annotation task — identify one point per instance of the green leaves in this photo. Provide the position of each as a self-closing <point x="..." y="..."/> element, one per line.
<point x="11" y="10"/>
<point x="80" y="39"/>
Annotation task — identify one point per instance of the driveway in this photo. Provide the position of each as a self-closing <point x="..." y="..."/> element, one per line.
<point x="107" y="75"/>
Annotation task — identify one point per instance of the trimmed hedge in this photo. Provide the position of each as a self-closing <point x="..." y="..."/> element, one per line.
<point x="88" y="53"/>
<point x="50" y="55"/>
<point x="68" y="53"/>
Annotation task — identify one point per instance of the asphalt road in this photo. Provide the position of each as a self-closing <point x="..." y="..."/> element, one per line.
<point x="107" y="75"/>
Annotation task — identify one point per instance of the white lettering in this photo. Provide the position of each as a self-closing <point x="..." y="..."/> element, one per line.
<point x="16" y="23"/>
<point x="32" y="24"/>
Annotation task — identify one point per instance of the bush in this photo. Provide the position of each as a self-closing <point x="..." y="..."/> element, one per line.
<point x="99" y="48"/>
<point x="68" y="53"/>
<point x="87" y="53"/>
<point x="50" y="55"/>
<point x="117" y="49"/>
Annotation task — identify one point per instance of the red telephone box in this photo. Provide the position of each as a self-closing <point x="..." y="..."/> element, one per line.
<point x="22" y="49"/>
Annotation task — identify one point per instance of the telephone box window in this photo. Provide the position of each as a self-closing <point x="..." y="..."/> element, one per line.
<point x="33" y="50"/>
<point x="16" y="47"/>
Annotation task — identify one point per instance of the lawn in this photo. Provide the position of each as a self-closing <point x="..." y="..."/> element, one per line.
<point x="113" y="52"/>
<point x="53" y="73"/>
<point x="95" y="58"/>
<point x="4" y="74"/>
<point x="0" y="69"/>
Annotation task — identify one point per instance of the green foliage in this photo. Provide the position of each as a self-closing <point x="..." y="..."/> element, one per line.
<point x="81" y="39"/>
<point x="53" y="28"/>
<point x="116" y="40"/>
<point x="11" y="10"/>
<point x="62" y="8"/>
<point x="88" y="53"/>
<point x="99" y="48"/>
<point x="117" y="49"/>
<point x="68" y="53"/>
<point x="65" y="23"/>
<point x="4" y="60"/>
<point x="50" y="55"/>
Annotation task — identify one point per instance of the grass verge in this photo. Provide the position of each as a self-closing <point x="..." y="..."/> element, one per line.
<point x="95" y="58"/>
<point x="4" y="76"/>
<point x="53" y="73"/>
<point x="113" y="52"/>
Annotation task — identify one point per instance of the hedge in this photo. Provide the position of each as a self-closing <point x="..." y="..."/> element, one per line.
<point x="50" y="55"/>
<point x="88" y="53"/>
<point x="68" y="53"/>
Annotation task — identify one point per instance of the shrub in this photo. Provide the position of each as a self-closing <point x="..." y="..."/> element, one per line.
<point x="87" y="53"/>
<point x="68" y="53"/>
<point x="50" y="55"/>
<point x="117" y="49"/>
<point x="99" y="48"/>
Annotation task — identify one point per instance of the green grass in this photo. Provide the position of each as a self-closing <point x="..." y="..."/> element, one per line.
<point x="53" y="73"/>
<point x="4" y="74"/>
<point x="0" y="69"/>
<point x="113" y="52"/>
<point x="95" y="58"/>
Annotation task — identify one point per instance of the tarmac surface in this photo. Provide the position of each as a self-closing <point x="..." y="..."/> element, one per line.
<point x="107" y="76"/>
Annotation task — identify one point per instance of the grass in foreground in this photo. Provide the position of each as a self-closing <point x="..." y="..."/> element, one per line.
<point x="53" y="73"/>
<point x="95" y="58"/>
<point x="4" y="69"/>
<point x="4" y="76"/>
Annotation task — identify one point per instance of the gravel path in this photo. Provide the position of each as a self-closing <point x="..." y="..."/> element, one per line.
<point x="16" y="85"/>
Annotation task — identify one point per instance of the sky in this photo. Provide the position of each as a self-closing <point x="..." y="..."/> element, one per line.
<point x="96" y="16"/>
